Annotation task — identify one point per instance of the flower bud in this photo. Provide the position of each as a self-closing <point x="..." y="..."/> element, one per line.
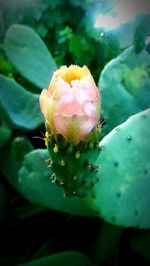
<point x="71" y="104"/>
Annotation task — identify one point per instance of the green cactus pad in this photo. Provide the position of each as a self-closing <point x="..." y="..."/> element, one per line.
<point x="74" y="167"/>
<point x="21" y="113"/>
<point x="34" y="183"/>
<point x="123" y="194"/>
<point x="29" y="55"/>
<point x="124" y="85"/>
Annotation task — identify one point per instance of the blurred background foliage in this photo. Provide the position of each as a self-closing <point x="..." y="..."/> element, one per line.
<point x="36" y="37"/>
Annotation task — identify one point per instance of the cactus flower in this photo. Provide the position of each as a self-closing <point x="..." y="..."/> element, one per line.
<point x="71" y="108"/>
<point x="71" y="104"/>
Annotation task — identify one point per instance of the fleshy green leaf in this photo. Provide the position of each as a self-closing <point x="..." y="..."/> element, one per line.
<point x="28" y="53"/>
<point x="21" y="106"/>
<point x="122" y="194"/>
<point x="124" y="86"/>
<point x="71" y="258"/>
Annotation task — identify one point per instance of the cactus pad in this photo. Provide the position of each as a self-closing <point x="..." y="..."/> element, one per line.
<point x="123" y="194"/>
<point x="74" y="167"/>
<point x="124" y="85"/>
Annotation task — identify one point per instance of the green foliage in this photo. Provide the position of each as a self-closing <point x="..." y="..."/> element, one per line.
<point x="122" y="194"/>
<point x="80" y="48"/>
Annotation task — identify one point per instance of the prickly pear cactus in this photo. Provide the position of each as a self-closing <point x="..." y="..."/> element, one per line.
<point x="71" y="108"/>
<point x="124" y="86"/>
<point x="122" y="194"/>
<point x="74" y="167"/>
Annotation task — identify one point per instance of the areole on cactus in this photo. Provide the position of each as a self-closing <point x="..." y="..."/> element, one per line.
<point x="71" y="108"/>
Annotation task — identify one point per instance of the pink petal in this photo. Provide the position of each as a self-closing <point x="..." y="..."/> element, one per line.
<point x="88" y="88"/>
<point x="44" y="101"/>
<point x="90" y="108"/>
<point x="74" y="129"/>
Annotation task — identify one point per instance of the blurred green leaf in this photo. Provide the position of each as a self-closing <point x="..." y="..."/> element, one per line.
<point x="20" y="147"/>
<point x="11" y="157"/>
<point x="5" y="66"/>
<point x="5" y="133"/>
<point x="78" y="45"/>
<point x="28" y="53"/>
<point x="124" y="86"/>
<point x="65" y="34"/>
<point x="81" y="50"/>
<point x="35" y="184"/>
<point x="42" y="30"/>
<point x="21" y="106"/>
<point x="8" y="159"/>
<point x="70" y="258"/>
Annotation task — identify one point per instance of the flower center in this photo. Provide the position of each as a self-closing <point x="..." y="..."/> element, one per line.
<point x="73" y="73"/>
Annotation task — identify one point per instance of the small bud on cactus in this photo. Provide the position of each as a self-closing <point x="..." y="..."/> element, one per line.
<point x="71" y="108"/>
